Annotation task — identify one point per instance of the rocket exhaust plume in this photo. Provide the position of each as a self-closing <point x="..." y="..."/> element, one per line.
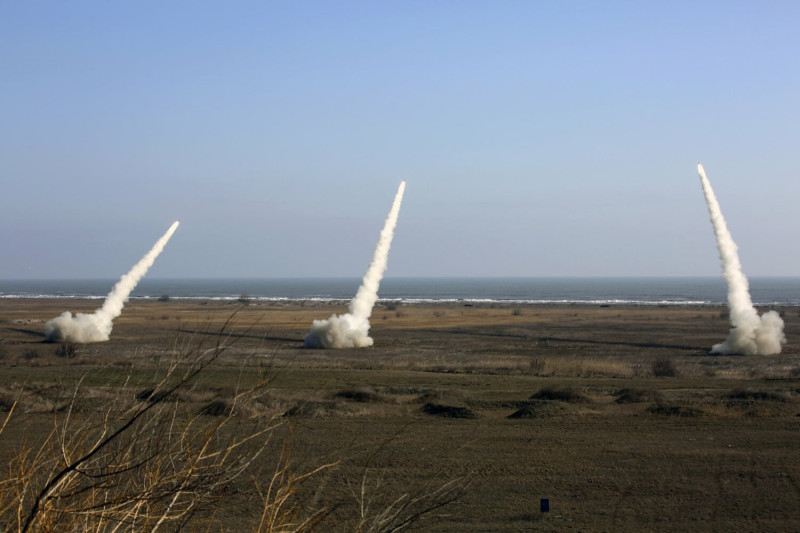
<point x="750" y="333"/>
<point x="351" y="330"/>
<point x="97" y="326"/>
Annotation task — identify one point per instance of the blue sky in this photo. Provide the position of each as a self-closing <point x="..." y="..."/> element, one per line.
<point x="536" y="138"/>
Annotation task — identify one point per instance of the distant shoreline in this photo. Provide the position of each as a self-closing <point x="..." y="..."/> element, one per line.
<point x="332" y="302"/>
<point x="381" y="305"/>
<point x="681" y="292"/>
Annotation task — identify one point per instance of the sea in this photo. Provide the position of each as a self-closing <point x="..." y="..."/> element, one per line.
<point x="772" y="291"/>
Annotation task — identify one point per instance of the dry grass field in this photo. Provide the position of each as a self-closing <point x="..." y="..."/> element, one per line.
<point x="459" y="418"/>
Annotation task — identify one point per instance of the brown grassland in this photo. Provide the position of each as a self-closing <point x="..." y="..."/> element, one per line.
<point x="459" y="418"/>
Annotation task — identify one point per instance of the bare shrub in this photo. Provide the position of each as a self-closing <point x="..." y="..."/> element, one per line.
<point x="536" y="366"/>
<point x="150" y="461"/>
<point x="380" y="514"/>
<point x="281" y="510"/>
<point x="67" y="350"/>
<point x="663" y="367"/>
<point x="638" y="370"/>
<point x="138" y="465"/>
<point x="588" y="367"/>
<point x="383" y="507"/>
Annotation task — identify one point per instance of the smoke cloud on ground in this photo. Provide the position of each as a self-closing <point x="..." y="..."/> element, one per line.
<point x="351" y="330"/>
<point x="750" y="333"/>
<point x="96" y="327"/>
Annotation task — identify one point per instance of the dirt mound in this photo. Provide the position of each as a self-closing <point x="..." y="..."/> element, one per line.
<point x="448" y="411"/>
<point x="363" y="395"/>
<point x="752" y="395"/>
<point x="560" y="394"/>
<point x="443" y="396"/>
<point x="541" y="409"/>
<point x="637" y="396"/>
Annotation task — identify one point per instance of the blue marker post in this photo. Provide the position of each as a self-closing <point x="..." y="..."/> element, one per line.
<point x="544" y="505"/>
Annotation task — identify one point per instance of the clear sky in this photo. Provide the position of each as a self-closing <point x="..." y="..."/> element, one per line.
<point x="542" y="138"/>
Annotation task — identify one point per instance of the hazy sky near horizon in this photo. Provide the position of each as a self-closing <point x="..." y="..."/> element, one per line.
<point x="536" y="138"/>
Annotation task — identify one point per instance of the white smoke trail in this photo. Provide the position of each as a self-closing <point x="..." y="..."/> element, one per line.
<point x="750" y="334"/>
<point x="351" y="330"/>
<point x="97" y="326"/>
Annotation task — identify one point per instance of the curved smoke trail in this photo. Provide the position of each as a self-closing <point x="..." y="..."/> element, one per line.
<point x="750" y="334"/>
<point x="96" y="327"/>
<point x="351" y="330"/>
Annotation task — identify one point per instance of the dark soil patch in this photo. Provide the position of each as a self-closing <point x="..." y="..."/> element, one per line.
<point x="361" y="395"/>
<point x="216" y="408"/>
<point x="448" y="411"/>
<point x="749" y="394"/>
<point x="151" y="395"/>
<point x="7" y="402"/>
<point x="560" y="394"/>
<point x="637" y="396"/>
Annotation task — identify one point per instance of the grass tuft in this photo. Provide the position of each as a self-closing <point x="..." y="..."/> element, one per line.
<point x="663" y="367"/>
<point x="683" y="411"/>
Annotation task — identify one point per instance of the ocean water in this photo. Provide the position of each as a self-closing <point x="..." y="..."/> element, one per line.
<point x="611" y="291"/>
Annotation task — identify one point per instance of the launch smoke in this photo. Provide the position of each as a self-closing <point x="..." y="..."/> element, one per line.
<point x="351" y="330"/>
<point x="96" y="327"/>
<point x="750" y="333"/>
